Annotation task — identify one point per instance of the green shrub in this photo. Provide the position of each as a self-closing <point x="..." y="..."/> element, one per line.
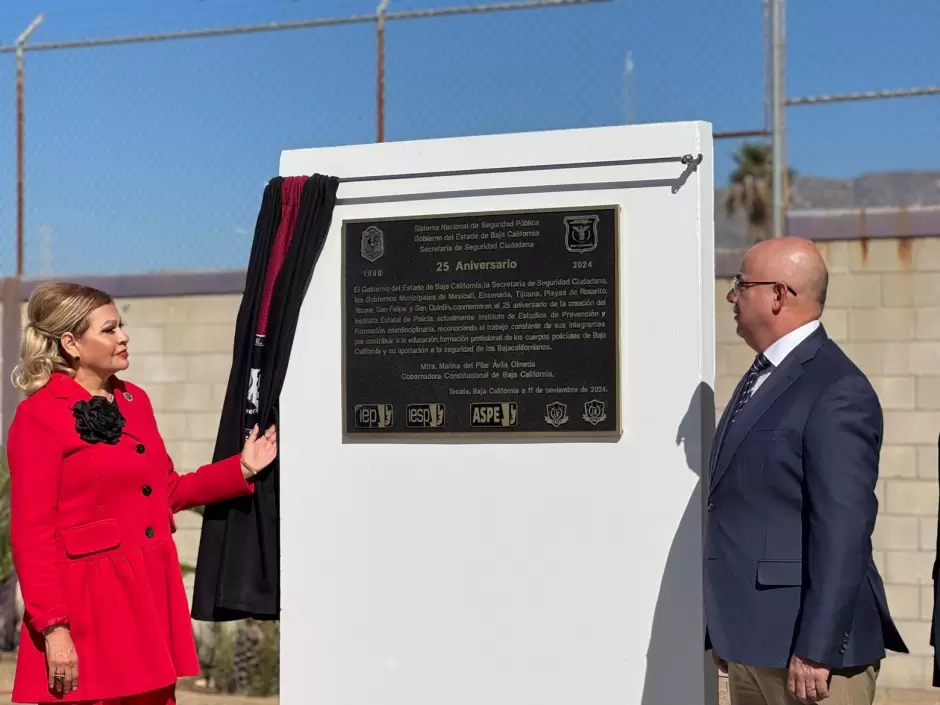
<point x="6" y="553"/>
<point x="241" y="657"/>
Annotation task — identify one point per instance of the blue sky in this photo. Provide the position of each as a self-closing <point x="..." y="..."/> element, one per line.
<point x="153" y="156"/>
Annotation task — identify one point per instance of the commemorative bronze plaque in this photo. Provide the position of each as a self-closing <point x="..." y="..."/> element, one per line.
<point x="482" y="324"/>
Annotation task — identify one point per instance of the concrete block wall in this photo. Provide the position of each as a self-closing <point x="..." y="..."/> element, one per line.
<point x="884" y="310"/>
<point x="181" y="353"/>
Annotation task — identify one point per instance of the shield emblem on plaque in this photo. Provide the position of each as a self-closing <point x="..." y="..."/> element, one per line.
<point x="581" y="233"/>
<point x="595" y="412"/>
<point x="373" y="243"/>
<point x="556" y="414"/>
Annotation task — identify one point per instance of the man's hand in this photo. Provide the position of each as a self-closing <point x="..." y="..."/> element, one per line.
<point x="807" y="681"/>
<point x="720" y="663"/>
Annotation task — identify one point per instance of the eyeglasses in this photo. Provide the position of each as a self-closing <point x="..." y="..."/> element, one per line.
<point x="737" y="286"/>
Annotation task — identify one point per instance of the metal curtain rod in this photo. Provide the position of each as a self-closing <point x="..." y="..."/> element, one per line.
<point x="686" y="159"/>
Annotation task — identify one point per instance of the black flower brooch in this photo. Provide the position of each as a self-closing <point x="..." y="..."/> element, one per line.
<point x="98" y="420"/>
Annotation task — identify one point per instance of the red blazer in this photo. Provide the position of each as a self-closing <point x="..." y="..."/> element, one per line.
<point x="91" y="531"/>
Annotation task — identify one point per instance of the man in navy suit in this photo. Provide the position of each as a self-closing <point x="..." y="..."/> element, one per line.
<point x="795" y="608"/>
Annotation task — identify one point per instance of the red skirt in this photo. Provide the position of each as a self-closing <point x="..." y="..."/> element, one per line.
<point x="129" y="621"/>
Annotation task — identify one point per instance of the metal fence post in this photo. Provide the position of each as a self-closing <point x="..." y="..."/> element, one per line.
<point x="20" y="120"/>
<point x="778" y="109"/>
<point x="380" y="69"/>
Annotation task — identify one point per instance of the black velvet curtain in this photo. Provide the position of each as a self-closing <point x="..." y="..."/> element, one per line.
<point x="237" y="570"/>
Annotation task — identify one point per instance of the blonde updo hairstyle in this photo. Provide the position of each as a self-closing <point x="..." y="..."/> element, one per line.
<point x="53" y="310"/>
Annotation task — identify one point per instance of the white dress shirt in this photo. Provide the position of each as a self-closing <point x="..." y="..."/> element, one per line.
<point x="778" y="352"/>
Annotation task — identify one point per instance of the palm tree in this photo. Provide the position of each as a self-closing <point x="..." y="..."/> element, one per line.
<point x="751" y="187"/>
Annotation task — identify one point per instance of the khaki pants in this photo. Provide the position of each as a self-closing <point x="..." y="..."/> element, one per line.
<point x="750" y="685"/>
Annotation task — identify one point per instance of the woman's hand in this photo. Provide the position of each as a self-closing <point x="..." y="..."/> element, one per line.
<point x="259" y="452"/>
<point x="61" y="661"/>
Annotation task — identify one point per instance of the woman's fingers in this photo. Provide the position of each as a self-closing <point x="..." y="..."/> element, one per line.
<point x="63" y="674"/>
<point x="269" y="439"/>
<point x="60" y="680"/>
<point x="261" y="448"/>
<point x="62" y="662"/>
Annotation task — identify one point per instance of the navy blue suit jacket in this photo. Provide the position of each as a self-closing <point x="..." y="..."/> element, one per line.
<point x="791" y="508"/>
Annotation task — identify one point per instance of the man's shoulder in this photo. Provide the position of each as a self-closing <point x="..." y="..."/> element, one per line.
<point x="833" y="358"/>
<point x="833" y="367"/>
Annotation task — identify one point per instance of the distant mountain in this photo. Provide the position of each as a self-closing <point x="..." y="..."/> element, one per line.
<point x="903" y="188"/>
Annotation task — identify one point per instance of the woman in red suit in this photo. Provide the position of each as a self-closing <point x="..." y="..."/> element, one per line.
<point x="93" y="494"/>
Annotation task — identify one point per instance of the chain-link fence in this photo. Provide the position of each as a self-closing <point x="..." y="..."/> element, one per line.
<point x="150" y="155"/>
<point x="863" y="87"/>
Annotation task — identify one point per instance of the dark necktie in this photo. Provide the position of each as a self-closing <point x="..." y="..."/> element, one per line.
<point x="761" y="363"/>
